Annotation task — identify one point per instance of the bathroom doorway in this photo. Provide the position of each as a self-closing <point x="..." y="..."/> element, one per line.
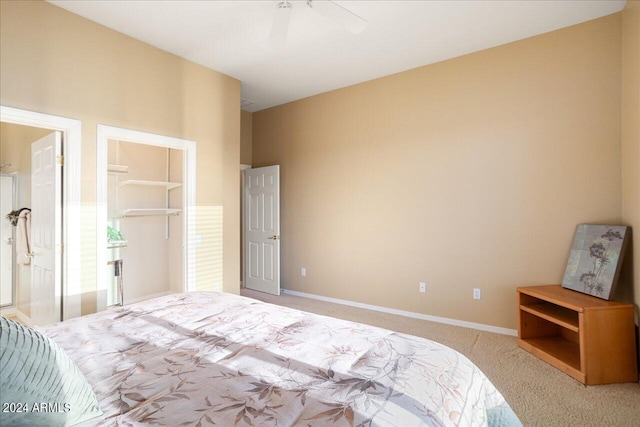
<point x="20" y="129"/>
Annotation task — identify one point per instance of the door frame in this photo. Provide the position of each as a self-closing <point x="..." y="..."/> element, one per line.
<point x="71" y="199"/>
<point x="243" y="256"/>
<point x="188" y="147"/>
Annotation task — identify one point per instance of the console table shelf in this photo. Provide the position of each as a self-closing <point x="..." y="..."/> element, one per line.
<point x="588" y="338"/>
<point x="554" y="314"/>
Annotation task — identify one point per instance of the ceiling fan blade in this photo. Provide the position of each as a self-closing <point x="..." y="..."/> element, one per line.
<point x="280" y="25"/>
<point x="343" y="17"/>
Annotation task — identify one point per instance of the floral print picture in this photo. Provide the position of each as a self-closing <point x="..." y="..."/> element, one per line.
<point x="595" y="259"/>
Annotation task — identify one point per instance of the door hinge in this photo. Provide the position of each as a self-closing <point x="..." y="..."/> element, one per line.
<point x="60" y="248"/>
<point x="60" y="160"/>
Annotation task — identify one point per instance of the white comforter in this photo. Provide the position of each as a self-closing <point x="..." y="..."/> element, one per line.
<point x="208" y="358"/>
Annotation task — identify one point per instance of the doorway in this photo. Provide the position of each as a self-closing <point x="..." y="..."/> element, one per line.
<point x="68" y="271"/>
<point x="146" y="187"/>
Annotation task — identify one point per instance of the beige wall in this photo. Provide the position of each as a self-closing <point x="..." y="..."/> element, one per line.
<point x="246" y="132"/>
<point x="469" y="173"/>
<point x="631" y="134"/>
<point x="58" y="63"/>
<point x="15" y="148"/>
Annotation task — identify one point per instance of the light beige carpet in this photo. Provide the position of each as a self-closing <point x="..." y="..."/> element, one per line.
<point x="538" y="393"/>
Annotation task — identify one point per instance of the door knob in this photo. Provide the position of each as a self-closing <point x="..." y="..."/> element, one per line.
<point x="274" y="237"/>
<point x="30" y="254"/>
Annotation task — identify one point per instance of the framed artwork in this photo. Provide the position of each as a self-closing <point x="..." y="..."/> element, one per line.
<point x="595" y="259"/>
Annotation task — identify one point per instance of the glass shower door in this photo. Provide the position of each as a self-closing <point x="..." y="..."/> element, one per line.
<point x="7" y="238"/>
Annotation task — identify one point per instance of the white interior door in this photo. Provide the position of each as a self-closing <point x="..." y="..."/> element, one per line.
<point x="46" y="229"/>
<point x="262" y="229"/>
<point x="6" y="240"/>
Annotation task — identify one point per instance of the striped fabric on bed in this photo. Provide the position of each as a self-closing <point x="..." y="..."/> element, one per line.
<point x="39" y="384"/>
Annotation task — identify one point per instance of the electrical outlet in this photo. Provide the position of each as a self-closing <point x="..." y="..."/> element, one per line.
<point x="476" y="293"/>
<point x="423" y="287"/>
<point x="303" y="272"/>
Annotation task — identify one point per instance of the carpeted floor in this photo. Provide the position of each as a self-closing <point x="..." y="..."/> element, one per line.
<point x="538" y="393"/>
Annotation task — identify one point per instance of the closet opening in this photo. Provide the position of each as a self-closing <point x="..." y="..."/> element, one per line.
<point x="146" y="188"/>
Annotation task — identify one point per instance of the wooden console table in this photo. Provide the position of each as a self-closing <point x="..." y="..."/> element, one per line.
<point x="590" y="339"/>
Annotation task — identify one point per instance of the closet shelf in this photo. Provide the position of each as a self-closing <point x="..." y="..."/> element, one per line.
<point x="114" y="244"/>
<point x="167" y="185"/>
<point x="117" y="168"/>
<point x="148" y="212"/>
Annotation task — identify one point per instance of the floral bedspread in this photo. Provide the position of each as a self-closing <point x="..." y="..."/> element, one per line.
<point x="209" y="358"/>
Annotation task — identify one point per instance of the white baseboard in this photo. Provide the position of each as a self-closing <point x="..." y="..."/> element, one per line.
<point x="24" y="318"/>
<point x="14" y="312"/>
<point x="8" y="311"/>
<point x="445" y="320"/>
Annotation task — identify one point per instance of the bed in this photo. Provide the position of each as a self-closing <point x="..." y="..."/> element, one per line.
<point x="210" y="358"/>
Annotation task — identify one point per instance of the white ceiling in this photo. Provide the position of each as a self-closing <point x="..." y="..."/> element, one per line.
<point x="233" y="36"/>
